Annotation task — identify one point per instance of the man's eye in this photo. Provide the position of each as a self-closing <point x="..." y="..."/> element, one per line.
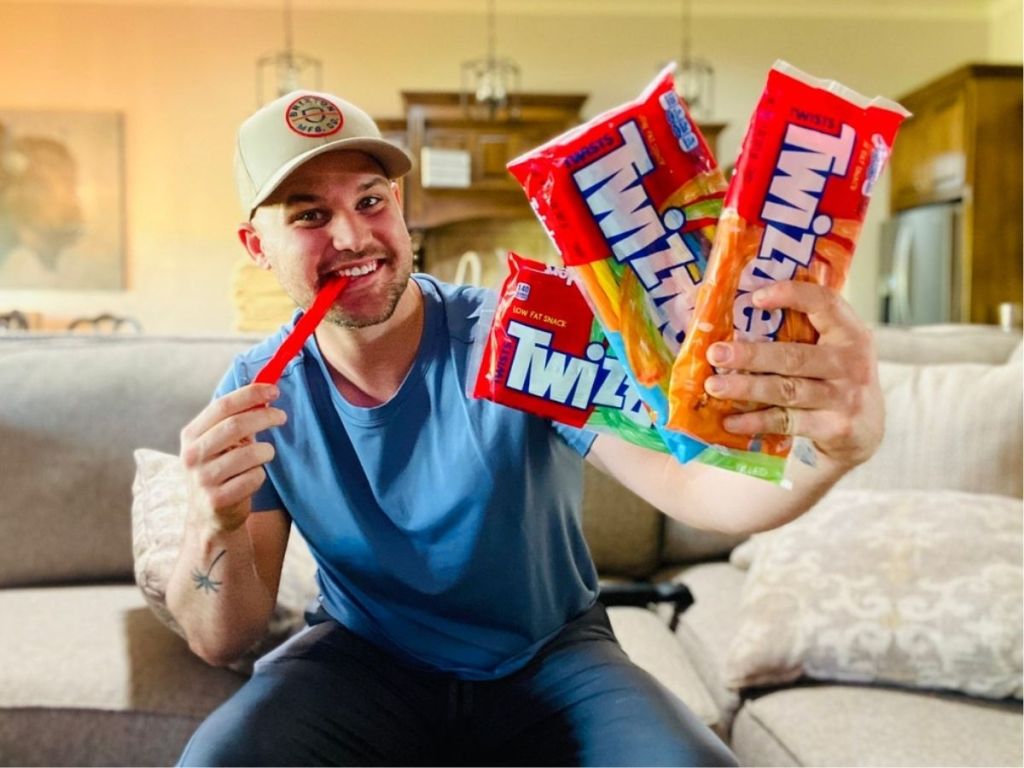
<point x="369" y="201"/>
<point x="311" y="216"/>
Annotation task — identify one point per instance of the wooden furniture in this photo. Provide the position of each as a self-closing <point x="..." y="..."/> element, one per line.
<point x="105" y="323"/>
<point x="963" y="144"/>
<point x="438" y="120"/>
<point x="13" y="321"/>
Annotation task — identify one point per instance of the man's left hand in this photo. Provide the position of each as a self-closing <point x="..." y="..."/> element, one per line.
<point x="827" y="392"/>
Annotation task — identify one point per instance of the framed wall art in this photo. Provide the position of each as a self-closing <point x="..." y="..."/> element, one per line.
<point x="62" y="200"/>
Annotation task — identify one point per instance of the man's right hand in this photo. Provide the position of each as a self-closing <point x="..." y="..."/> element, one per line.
<point x="223" y="461"/>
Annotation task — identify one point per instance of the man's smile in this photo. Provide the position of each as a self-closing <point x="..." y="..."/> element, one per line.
<point x="352" y="272"/>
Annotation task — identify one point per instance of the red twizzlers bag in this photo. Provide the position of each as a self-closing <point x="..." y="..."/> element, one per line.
<point x="545" y="354"/>
<point x="794" y="208"/>
<point x="630" y="199"/>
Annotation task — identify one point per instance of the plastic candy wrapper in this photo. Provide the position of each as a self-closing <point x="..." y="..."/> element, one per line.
<point x="630" y="200"/>
<point x="545" y="354"/>
<point x="813" y="151"/>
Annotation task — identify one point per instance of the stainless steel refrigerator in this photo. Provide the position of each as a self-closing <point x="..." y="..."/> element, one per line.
<point x="920" y="266"/>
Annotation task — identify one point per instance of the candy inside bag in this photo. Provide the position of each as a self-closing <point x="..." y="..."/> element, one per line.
<point x="630" y="200"/>
<point x="794" y="208"/>
<point x="545" y="354"/>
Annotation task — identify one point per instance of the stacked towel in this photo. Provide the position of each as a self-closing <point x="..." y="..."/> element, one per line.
<point x="260" y="303"/>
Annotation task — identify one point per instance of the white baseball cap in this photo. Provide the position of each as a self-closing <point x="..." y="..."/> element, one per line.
<point x="284" y="134"/>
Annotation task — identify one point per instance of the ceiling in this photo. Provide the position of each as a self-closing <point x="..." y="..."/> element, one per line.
<point x="948" y="9"/>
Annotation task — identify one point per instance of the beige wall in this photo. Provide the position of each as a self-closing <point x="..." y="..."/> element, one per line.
<point x="183" y="75"/>
<point x="1006" y="31"/>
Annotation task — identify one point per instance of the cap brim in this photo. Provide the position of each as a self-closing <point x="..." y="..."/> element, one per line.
<point x="393" y="160"/>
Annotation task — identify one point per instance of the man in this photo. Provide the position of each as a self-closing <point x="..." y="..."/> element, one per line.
<point x="458" y="621"/>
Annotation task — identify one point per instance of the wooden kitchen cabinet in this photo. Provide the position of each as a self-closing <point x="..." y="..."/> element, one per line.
<point x="963" y="145"/>
<point x="437" y="120"/>
<point x="439" y="217"/>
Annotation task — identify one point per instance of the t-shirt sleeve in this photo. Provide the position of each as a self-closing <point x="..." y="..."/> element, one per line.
<point x="228" y="383"/>
<point x="267" y="497"/>
<point x="578" y="439"/>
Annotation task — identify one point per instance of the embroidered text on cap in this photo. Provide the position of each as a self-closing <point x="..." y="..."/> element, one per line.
<point x="314" y="116"/>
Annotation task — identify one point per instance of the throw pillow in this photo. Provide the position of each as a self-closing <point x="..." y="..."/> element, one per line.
<point x="948" y="427"/>
<point x="159" y="508"/>
<point x="914" y="588"/>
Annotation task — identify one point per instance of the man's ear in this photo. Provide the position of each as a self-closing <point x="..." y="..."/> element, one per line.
<point x="253" y="244"/>
<point x="396" y="190"/>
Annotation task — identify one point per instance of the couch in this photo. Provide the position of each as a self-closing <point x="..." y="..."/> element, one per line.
<point x="91" y="675"/>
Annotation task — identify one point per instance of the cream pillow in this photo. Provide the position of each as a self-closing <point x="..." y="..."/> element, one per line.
<point x="159" y="507"/>
<point x="954" y="426"/>
<point x="914" y="588"/>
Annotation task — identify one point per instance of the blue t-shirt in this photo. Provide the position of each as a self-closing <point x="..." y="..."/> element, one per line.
<point x="446" y="529"/>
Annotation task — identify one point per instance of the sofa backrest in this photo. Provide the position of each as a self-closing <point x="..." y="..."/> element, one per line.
<point x="73" y="410"/>
<point x="945" y="343"/>
<point x="953" y="412"/>
<point x="953" y="420"/>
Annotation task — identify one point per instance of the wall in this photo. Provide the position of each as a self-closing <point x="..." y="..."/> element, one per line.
<point x="1006" y="31"/>
<point x="183" y="75"/>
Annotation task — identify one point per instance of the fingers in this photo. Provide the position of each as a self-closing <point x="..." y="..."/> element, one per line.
<point x="830" y="428"/>
<point x="234" y="476"/>
<point x="830" y="314"/>
<point x="242" y="399"/>
<point x="770" y="421"/>
<point x="235" y="430"/>
<point x="234" y="462"/>
<point x="843" y="350"/>
<point x="827" y="392"/>
<point x="227" y="505"/>
<point x="786" y="391"/>
<point x="223" y="460"/>
<point x="816" y="361"/>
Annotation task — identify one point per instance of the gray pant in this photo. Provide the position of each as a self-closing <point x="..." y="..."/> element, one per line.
<point x="331" y="698"/>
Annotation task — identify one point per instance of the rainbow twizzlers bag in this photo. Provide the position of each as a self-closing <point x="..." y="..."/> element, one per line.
<point x="812" y="154"/>
<point x="630" y="200"/>
<point x="545" y="354"/>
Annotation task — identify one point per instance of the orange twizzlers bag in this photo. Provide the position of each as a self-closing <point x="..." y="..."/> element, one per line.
<point x="794" y="207"/>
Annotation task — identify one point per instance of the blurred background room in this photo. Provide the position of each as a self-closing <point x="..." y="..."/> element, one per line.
<point x="117" y="123"/>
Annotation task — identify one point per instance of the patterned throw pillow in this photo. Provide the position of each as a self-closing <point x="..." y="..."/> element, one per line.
<point x="915" y="588"/>
<point x="159" y="508"/>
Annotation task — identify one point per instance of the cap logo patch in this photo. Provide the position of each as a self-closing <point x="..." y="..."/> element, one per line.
<point x="313" y="116"/>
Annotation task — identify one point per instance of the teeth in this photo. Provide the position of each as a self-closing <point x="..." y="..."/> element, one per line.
<point x="359" y="271"/>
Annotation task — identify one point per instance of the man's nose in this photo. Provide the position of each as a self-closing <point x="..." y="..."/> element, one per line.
<point x="349" y="232"/>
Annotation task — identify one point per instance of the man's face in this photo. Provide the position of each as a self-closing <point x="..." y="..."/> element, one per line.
<point x="337" y="213"/>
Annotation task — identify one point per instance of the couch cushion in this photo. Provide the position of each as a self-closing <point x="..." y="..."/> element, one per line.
<point x="86" y="737"/>
<point x="951" y="426"/>
<point x="947" y="343"/>
<point x="649" y="643"/>
<point x="93" y="661"/>
<point x="73" y="410"/>
<point x="708" y="626"/>
<point x="873" y="726"/>
<point x="622" y="531"/>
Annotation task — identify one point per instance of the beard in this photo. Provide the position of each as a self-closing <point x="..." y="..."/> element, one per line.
<point x="392" y="296"/>
<point x="383" y="301"/>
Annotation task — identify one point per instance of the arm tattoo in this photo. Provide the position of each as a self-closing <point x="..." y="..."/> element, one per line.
<point x="203" y="580"/>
